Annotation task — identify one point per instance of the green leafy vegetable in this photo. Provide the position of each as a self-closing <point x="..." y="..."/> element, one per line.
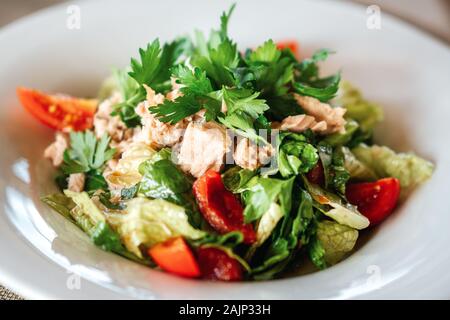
<point x="357" y="169"/>
<point x="342" y="139"/>
<point x="336" y="175"/>
<point x="60" y="203"/>
<point x="147" y="222"/>
<point x="285" y="238"/>
<point x="236" y="178"/>
<point x="316" y="253"/>
<point x="308" y="68"/>
<point x="366" y="113"/>
<point x="295" y="155"/>
<point x="270" y="70"/>
<point x="163" y="180"/>
<point x="337" y="240"/>
<point x="86" y="153"/>
<point x="410" y="169"/>
<point x="262" y="192"/>
<point x="323" y="89"/>
<point x="336" y="208"/>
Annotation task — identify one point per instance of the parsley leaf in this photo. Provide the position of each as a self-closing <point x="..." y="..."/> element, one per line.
<point x="194" y="81"/>
<point x="242" y="123"/>
<point x="155" y="64"/>
<point x="245" y="101"/>
<point x="271" y="69"/>
<point x="219" y="55"/>
<point x="308" y="67"/>
<point x="86" y="153"/>
<point x="308" y="82"/>
<point x="153" y="70"/>
<point x="185" y="106"/>
<point x="323" y="89"/>
<point x="244" y="111"/>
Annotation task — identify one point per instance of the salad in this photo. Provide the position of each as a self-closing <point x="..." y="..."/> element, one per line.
<point x="210" y="162"/>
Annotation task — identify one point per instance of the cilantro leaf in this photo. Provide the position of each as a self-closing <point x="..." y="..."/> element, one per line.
<point x="86" y="153"/>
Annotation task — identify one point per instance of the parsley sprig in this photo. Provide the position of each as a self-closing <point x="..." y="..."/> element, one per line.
<point x="87" y="155"/>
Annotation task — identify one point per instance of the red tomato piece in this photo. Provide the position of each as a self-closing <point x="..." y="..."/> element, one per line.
<point x="289" y="44"/>
<point x="316" y="175"/>
<point x="58" y="112"/>
<point x="175" y="256"/>
<point x="216" y="264"/>
<point x="221" y="208"/>
<point x="375" y="200"/>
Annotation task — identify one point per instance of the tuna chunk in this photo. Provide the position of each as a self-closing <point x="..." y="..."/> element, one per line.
<point x="249" y="156"/>
<point x="303" y="122"/>
<point x="332" y="117"/>
<point x="55" y="151"/>
<point x="111" y="125"/>
<point x="203" y="147"/>
<point x="156" y="133"/>
<point x="76" y="182"/>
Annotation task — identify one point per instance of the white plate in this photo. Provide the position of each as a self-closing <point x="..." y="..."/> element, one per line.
<point x="402" y="68"/>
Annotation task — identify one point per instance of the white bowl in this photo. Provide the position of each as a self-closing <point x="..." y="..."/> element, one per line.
<point x="43" y="255"/>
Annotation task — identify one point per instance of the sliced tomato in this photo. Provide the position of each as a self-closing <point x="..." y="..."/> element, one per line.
<point x="221" y="208"/>
<point x="216" y="264"/>
<point x="316" y="175"/>
<point x="60" y="112"/>
<point x="289" y="44"/>
<point x="375" y="200"/>
<point x="175" y="256"/>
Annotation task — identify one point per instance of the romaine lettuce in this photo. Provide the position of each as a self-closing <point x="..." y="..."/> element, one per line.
<point x="148" y="222"/>
<point x="126" y="174"/>
<point x="366" y="113"/>
<point x="262" y="192"/>
<point x="357" y="169"/>
<point x="336" y="239"/>
<point x="334" y="207"/>
<point x="410" y="169"/>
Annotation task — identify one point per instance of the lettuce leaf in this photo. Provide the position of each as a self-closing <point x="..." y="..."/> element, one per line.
<point x="236" y="178"/>
<point x="366" y="113"/>
<point x="126" y="174"/>
<point x="357" y="169"/>
<point x="295" y="155"/>
<point x="410" y="169"/>
<point x="86" y="214"/>
<point x="147" y="222"/>
<point x="336" y="208"/>
<point x="285" y="238"/>
<point x="162" y="179"/>
<point x="262" y="192"/>
<point x="333" y="161"/>
<point x="267" y="224"/>
<point x="337" y="240"/>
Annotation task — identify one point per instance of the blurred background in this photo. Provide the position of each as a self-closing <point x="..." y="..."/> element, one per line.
<point x="430" y="15"/>
<point x="433" y="16"/>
